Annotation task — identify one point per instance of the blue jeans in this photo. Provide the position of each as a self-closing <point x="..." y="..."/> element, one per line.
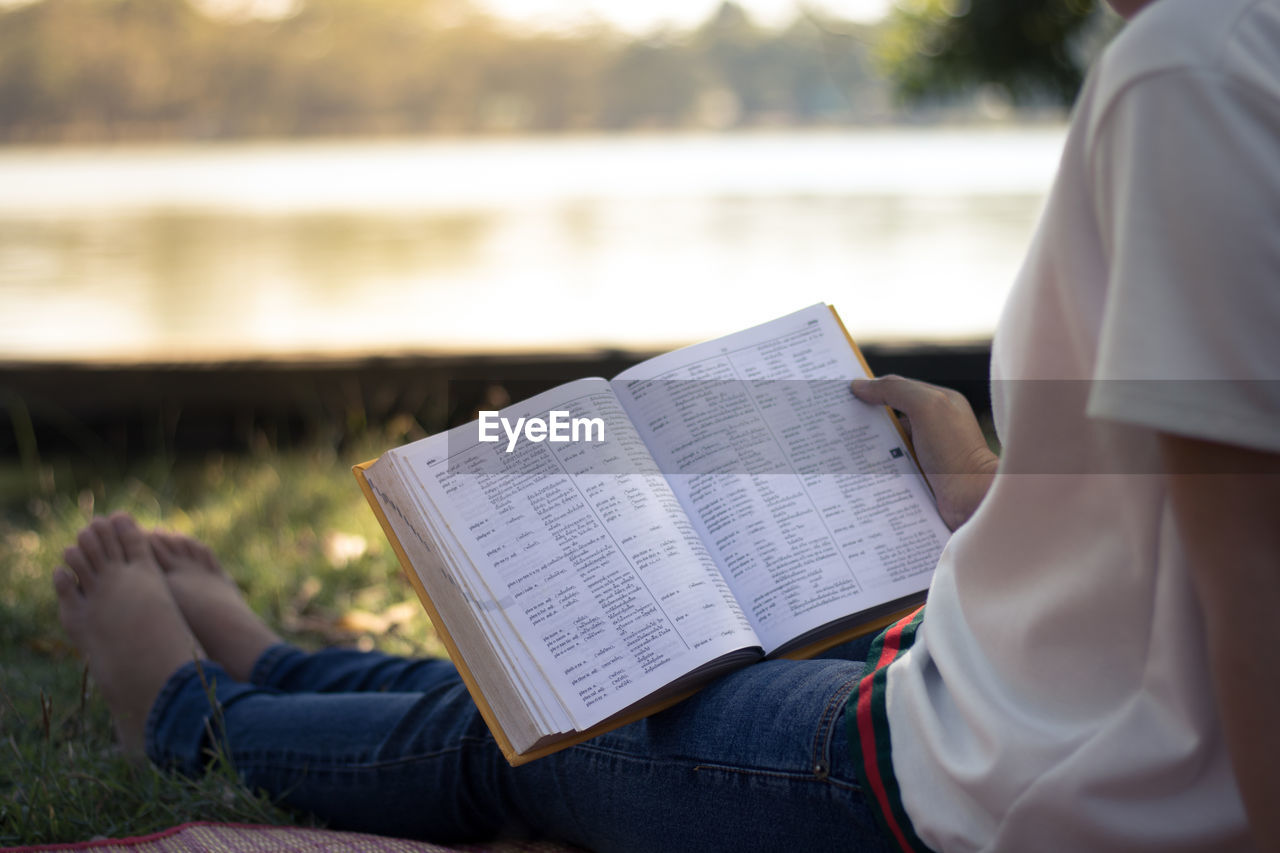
<point x="756" y="761"/>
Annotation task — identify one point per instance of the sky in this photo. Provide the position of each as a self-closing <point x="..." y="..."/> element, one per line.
<point x="648" y="15"/>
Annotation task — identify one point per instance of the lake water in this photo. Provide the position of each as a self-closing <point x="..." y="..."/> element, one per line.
<point x="247" y="250"/>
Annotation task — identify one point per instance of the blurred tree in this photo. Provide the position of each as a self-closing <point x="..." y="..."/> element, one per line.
<point x="1032" y="50"/>
<point x="87" y="64"/>
<point x="841" y="76"/>
<point x="652" y="82"/>
<point x="789" y="75"/>
<point x="165" y="69"/>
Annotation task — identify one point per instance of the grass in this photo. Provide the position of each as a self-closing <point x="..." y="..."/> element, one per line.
<point x="294" y="530"/>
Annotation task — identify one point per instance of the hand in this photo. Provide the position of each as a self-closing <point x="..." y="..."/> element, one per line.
<point x="948" y="442"/>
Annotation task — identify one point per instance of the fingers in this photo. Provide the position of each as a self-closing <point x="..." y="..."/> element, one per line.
<point x="941" y="423"/>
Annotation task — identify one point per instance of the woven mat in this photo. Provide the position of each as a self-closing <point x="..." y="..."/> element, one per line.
<point x="244" y="838"/>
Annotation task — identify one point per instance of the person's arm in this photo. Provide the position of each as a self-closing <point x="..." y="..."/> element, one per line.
<point x="948" y="441"/>
<point x="1225" y="501"/>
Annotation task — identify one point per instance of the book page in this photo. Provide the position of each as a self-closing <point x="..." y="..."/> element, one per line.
<point x="537" y="696"/>
<point x="806" y="497"/>
<point x="496" y="660"/>
<point x="585" y="550"/>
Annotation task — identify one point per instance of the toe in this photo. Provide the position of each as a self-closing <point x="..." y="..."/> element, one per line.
<point x="162" y="548"/>
<point x="91" y="548"/>
<point x="133" y="542"/>
<point x="70" y="603"/>
<point x="82" y="566"/>
<point x="64" y="584"/>
<point x="205" y="555"/>
<point x="105" y="530"/>
<point x="170" y="551"/>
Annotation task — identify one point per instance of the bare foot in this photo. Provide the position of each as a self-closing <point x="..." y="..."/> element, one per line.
<point x="117" y="609"/>
<point x="222" y="620"/>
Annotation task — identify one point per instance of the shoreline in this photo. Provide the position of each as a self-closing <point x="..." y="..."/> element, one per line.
<point x="130" y="409"/>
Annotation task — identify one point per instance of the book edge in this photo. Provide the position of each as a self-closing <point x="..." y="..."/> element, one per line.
<point x="437" y="621"/>
<point x="906" y="439"/>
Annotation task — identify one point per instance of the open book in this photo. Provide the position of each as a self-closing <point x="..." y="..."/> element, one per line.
<point x="721" y="503"/>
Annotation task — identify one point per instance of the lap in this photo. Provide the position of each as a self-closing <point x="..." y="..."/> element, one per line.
<point x="756" y="760"/>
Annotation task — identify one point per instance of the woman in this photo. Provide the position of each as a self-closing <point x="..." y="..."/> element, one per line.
<point x="1095" y="670"/>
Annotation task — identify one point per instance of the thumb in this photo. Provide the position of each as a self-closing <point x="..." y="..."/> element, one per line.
<point x="893" y="391"/>
<point x="865" y="390"/>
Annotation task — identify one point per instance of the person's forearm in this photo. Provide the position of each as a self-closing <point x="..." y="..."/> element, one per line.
<point x="1246" y="673"/>
<point x="1224" y="499"/>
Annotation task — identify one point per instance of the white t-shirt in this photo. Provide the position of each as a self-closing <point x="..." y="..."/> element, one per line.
<point x="1057" y="695"/>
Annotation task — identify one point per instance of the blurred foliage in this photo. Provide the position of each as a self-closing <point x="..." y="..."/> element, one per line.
<point x="91" y="70"/>
<point x="1027" y="51"/>
<point x="119" y="69"/>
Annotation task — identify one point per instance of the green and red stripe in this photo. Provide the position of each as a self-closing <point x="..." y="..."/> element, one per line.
<point x="868" y="722"/>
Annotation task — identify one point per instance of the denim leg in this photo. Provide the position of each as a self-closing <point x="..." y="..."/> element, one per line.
<point x="758" y="760"/>
<point x="291" y="670"/>
<point x="368" y="761"/>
